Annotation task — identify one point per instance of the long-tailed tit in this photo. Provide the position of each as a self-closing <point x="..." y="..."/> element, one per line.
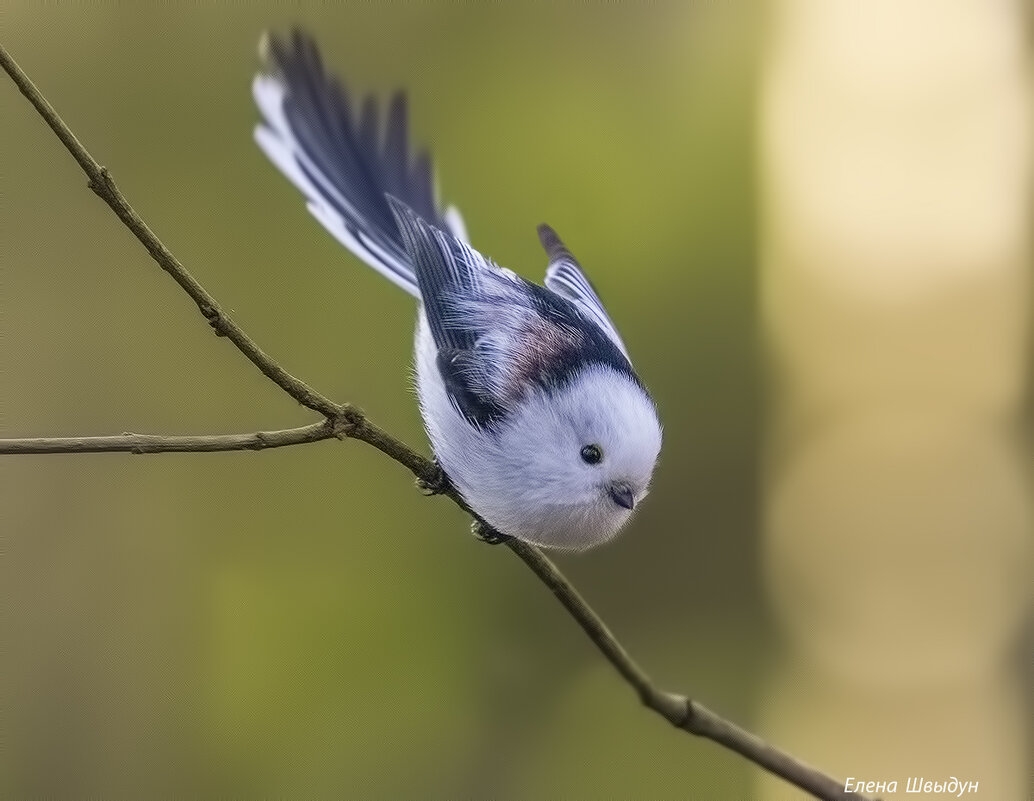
<point x="527" y="392"/>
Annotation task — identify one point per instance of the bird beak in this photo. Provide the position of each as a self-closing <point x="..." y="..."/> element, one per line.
<point x="622" y="495"/>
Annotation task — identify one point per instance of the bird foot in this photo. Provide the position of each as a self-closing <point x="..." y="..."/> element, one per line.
<point x="439" y="484"/>
<point x="486" y="534"/>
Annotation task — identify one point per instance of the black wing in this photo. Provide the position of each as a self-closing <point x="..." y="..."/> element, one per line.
<point x="565" y="277"/>
<point x="345" y="162"/>
<point x="498" y="336"/>
<point x="452" y="279"/>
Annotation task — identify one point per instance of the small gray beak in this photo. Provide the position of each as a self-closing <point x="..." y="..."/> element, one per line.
<point x="622" y="495"/>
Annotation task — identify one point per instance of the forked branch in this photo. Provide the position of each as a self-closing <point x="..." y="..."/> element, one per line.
<point x="344" y="420"/>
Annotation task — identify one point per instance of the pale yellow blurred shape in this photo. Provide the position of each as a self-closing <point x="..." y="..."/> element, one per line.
<point x="961" y="346"/>
<point x="897" y="201"/>
<point x="886" y="736"/>
<point x="898" y="548"/>
<point x="886" y="121"/>
<point x="895" y="294"/>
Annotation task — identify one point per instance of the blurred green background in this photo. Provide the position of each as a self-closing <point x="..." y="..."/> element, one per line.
<point x="302" y="622"/>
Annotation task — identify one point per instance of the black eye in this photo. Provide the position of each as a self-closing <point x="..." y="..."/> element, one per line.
<point x="591" y="454"/>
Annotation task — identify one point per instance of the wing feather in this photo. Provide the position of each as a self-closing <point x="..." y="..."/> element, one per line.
<point x="344" y="163"/>
<point x="564" y="276"/>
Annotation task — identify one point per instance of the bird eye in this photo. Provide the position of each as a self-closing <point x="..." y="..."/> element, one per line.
<point x="591" y="454"/>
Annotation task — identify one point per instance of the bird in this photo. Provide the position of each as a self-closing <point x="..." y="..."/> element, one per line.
<point x="533" y="410"/>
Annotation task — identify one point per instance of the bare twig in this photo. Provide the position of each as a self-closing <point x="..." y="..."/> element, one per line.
<point x="678" y="710"/>
<point x="104" y="186"/>
<point x="344" y="420"/>
<point x="154" y="443"/>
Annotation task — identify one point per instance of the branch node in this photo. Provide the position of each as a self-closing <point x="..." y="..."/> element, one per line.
<point x="687" y="719"/>
<point x="486" y="534"/>
<point x="104" y="187"/>
<point x="437" y="483"/>
<point x="347" y="422"/>
<point x="215" y="318"/>
<point x="676" y="709"/>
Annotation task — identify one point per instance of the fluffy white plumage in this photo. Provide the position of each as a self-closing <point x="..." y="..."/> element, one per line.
<point x="527" y="393"/>
<point x="530" y="481"/>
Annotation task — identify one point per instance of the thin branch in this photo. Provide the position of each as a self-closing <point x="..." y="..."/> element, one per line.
<point x="344" y="420"/>
<point x="104" y="186"/>
<point x="680" y="711"/>
<point x="155" y="443"/>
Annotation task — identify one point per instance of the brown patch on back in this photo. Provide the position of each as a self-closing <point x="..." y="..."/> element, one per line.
<point x="542" y="345"/>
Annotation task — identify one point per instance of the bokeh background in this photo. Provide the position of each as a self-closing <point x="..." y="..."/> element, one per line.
<point x="812" y="223"/>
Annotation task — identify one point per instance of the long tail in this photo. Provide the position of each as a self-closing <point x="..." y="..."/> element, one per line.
<point x="344" y="165"/>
